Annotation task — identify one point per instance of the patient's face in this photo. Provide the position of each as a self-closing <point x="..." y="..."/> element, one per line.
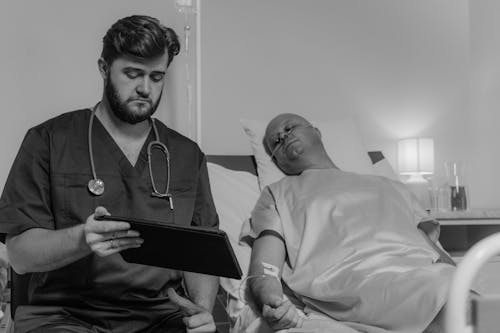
<point x="288" y="137"/>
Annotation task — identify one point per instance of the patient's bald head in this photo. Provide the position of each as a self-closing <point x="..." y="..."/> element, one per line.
<point x="295" y="144"/>
<point x="280" y="125"/>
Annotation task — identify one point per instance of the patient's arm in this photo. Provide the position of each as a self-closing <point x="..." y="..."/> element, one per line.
<point x="270" y="250"/>
<point x="266" y="289"/>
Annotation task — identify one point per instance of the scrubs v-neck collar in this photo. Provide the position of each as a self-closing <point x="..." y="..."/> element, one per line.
<point x="103" y="137"/>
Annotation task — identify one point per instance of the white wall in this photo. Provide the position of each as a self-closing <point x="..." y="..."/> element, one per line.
<point x="399" y="66"/>
<point x="484" y="112"/>
<point x="49" y="58"/>
<point x="404" y="68"/>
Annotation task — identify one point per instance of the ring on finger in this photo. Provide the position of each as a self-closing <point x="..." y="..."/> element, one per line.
<point x="112" y="244"/>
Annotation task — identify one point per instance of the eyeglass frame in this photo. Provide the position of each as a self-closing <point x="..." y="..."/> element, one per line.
<point x="282" y="136"/>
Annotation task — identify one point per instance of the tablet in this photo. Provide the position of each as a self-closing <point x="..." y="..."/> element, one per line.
<point x="186" y="248"/>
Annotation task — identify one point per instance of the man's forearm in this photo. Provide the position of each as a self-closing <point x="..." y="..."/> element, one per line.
<point x="202" y="289"/>
<point x="265" y="290"/>
<point x="268" y="253"/>
<point x="42" y="250"/>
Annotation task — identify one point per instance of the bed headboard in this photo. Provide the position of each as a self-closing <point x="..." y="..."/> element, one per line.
<point x="248" y="163"/>
<point x="235" y="162"/>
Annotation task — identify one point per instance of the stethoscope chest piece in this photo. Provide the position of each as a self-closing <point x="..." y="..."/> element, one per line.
<point x="96" y="186"/>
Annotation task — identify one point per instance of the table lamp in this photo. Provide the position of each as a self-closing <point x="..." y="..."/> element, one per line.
<point x="416" y="160"/>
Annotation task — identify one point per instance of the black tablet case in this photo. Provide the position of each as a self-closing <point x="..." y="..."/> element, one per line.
<point x="192" y="249"/>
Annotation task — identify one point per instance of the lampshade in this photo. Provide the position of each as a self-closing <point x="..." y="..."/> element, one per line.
<point x="416" y="156"/>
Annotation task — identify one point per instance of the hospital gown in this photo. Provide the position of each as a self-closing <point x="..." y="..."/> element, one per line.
<point x="47" y="188"/>
<point x="353" y="250"/>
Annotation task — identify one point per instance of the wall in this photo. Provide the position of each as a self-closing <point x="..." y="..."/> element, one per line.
<point x="403" y="68"/>
<point x="49" y="62"/>
<point x="484" y="114"/>
<point x="400" y="67"/>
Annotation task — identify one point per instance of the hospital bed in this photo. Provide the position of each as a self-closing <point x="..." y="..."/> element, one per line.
<point x="235" y="188"/>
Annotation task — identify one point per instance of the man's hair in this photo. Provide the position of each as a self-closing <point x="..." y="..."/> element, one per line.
<point x="139" y="36"/>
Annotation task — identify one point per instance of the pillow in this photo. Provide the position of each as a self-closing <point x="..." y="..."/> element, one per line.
<point x="342" y="140"/>
<point x="235" y="194"/>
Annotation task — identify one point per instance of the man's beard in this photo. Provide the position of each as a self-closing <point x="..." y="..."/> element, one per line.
<point x="120" y="108"/>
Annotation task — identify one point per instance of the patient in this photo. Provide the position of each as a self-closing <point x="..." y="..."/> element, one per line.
<point x="350" y="248"/>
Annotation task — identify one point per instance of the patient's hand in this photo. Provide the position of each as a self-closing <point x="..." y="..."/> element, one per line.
<point x="197" y="318"/>
<point x="281" y="314"/>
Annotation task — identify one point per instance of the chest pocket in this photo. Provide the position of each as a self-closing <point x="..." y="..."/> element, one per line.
<point x="184" y="196"/>
<point x="183" y="187"/>
<point x="72" y="202"/>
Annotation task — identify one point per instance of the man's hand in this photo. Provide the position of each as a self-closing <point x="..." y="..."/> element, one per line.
<point x="109" y="237"/>
<point x="281" y="314"/>
<point x="196" y="318"/>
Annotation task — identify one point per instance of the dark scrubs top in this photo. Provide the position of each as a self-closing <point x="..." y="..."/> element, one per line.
<point x="47" y="188"/>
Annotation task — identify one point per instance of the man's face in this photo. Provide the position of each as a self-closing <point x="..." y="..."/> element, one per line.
<point x="133" y="87"/>
<point x="288" y="137"/>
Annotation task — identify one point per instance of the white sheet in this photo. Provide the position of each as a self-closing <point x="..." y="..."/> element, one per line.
<point x="235" y="194"/>
<point x="250" y="322"/>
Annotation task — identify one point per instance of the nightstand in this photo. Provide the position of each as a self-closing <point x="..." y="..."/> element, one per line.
<point x="460" y="230"/>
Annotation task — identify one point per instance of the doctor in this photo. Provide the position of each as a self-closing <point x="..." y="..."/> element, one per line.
<point x="111" y="158"/>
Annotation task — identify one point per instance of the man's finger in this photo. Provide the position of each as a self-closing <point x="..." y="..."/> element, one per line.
<point x="269" y="313"/>
<point x="208" y="328"/>
<point x="198" y="319"/>
<point x="275" y="301"/>
<point x="122" y="234"/>
<point x="275" y="313"/>
<point x="290" y="318"/>
<point x="283" y="309"/>
<point x="186" y="306"/>
<point x="101" y="211"/>
<point x="109" y="226"/>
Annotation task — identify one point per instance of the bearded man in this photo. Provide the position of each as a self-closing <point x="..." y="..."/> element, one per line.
<point x="92" y="162"/>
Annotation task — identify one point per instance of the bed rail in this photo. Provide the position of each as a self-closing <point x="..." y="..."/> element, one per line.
<point x="474" y="259"/>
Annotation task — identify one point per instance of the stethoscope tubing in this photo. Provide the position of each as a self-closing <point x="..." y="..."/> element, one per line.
<point x="96" y="185"/>
<point x="91" y="151"/>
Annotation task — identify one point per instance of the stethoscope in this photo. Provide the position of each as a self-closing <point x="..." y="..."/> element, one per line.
<point x="96" y="185"/>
